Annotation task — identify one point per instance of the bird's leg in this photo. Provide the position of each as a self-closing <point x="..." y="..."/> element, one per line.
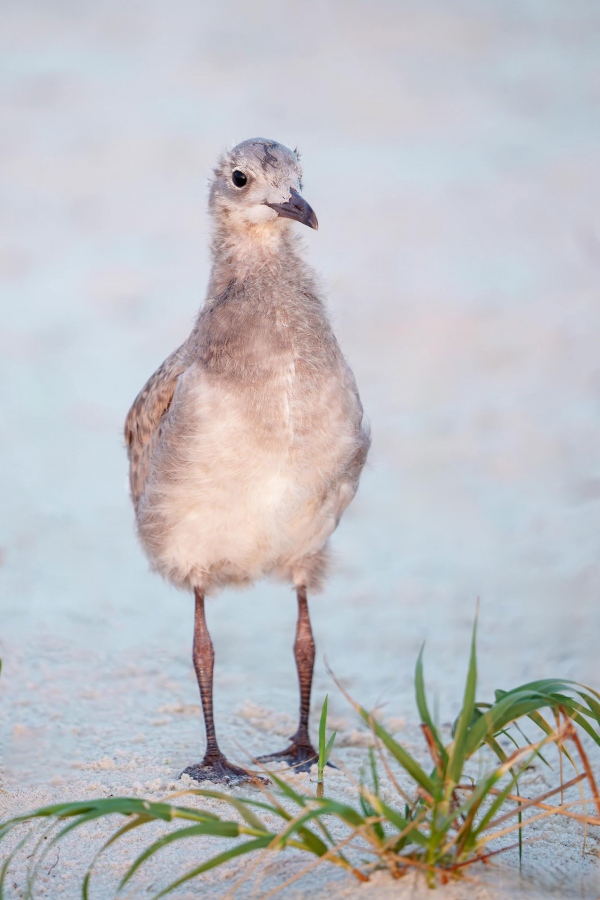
<point x="301" y="754"/>
<point x="214" y="766"/>
<point x="304" y="653"/>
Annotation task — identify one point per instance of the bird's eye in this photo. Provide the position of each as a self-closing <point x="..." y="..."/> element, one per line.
<point x="238" y="178"/>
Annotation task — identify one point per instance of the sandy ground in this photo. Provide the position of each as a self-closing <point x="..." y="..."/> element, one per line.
<point x="451" y="154"/>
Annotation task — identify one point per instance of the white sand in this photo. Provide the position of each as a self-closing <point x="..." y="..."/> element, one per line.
<point x="451" y="154"/>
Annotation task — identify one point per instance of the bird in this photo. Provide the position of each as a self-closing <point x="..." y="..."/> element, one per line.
<point x="247" y="444"/>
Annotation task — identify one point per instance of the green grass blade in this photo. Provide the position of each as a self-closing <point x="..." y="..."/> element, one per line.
<point x="250" y="846"/>
<point x="329" y="746"/>
<point x="37" y="856"/>
<point x="506" y="733"/>
<point x="245" y="802"/>
<point x="343" y="811"/>
<point x="11" y="856"/>
<point x="422" y="706"/>
<point x="323" y="736"/>
<point x="459" y="747"/>
<point x="495" y="746"/>
<point x="401" y="755"/>
<point x="413" y="836"/>
<point x="312" y="841"/>
<point x="398" y="752"/>
<point x="593" y="704"/>
<point x="374" y="772"/>
<point x="241" y="805"/>
<point x="76" y="823"/>
<point x="364" y="798"/>
<point x="129" y="826"/>
<point x="500" y="798"/>
<point x="498" y="750"/>
<point x="137" y="822"/>
<point x="500" y="715"/>
<point x="513" y="705"/>
<point x="552" y="685"/>
<point x="583" y="723"/>
<point x="299" y="799"/>
<point x="554" y="690"/>
<point x="215" y="829"/>
<point x="564" y="700"/>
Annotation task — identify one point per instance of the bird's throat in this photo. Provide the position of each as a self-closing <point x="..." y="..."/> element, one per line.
<point x="240" y="254"/>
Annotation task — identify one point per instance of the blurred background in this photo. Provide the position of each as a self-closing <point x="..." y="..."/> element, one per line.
<point x="451" y="154"/>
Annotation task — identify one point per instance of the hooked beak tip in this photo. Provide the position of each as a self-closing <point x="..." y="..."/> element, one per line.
<point x="298" y="209"/>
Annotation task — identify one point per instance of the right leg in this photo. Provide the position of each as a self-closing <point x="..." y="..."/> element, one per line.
<point x="214" y="766"/>
<point x="301" y="754"/>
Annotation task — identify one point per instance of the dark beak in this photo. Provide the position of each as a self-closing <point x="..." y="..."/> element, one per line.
<point x="296" y="208"/>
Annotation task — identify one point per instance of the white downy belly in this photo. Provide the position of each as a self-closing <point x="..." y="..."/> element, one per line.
<point x="241" y="501"/>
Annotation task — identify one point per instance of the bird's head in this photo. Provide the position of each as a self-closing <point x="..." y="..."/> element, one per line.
<point x="259" y="183"/>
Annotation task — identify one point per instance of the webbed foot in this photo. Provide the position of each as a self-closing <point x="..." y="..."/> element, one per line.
<point x="216" y="768"/>
<point x="299" y="755"/>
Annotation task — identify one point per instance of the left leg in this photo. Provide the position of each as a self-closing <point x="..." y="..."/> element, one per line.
<point x="214" y="766"/>
<point x="301" y="754"/>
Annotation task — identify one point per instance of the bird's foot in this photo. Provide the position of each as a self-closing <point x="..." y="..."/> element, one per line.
<point x="300" y="756"/>
<point x="216" y="768"/>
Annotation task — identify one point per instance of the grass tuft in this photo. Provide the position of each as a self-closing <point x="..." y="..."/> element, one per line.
<point x="440" y="825"/>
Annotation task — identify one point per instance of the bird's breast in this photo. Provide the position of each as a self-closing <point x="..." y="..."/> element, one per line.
<point x="268" y="392"/>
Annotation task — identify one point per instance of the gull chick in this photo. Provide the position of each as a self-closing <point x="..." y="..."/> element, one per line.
<point x="247" y="444"/>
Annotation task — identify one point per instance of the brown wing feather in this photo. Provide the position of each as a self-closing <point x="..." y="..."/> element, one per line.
<point x="144" y="418"/>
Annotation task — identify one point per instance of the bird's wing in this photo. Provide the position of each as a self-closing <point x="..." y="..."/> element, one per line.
<point x="363" y="428"/>
<point x="144" y="419"/>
